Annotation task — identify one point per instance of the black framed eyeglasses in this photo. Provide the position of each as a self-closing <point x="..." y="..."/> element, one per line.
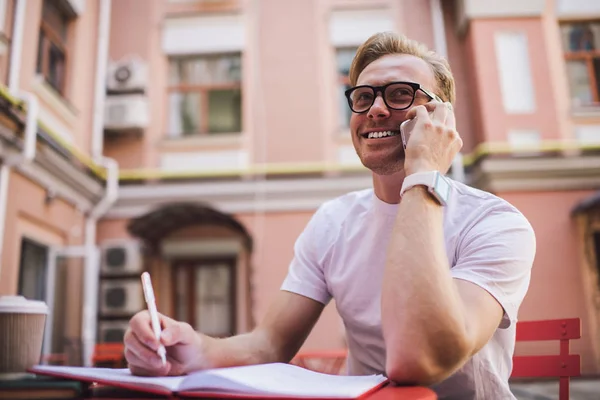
<point x="396" y="96"/>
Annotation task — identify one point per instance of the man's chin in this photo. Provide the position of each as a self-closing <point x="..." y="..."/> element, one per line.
<point x="382" y="167"/>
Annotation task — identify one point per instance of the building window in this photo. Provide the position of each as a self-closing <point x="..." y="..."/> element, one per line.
<point x="581" y="44"/>
<point x="32" y="270"/>
<point x="344" y="58"/>
<point x="3" y="14"/>
<point x="6" y="25"/>
<point x="594" y="256"/>
<point x="53" y="45"/>
<point x="205" y="95"/>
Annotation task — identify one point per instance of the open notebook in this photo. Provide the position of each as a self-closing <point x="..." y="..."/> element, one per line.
<point x="266" y="380"/>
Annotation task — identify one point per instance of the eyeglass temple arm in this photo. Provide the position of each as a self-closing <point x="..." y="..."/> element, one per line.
<point x="432" y="95"/>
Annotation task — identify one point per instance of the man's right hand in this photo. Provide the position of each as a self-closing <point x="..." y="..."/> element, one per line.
<point x="185" y="347"/>
<point x="281" y="333"/>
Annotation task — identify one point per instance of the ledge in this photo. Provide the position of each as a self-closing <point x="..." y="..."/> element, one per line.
<point x="58" y="103"/>
<point x="577" y="9"/>
<point x="467" y="10"/>
<point x="197" y="142"/>
<point x="586" y="112"/>
<point x="542" y="173"/>
<point x="51" y="170"/>
<point x="241" y="196"/>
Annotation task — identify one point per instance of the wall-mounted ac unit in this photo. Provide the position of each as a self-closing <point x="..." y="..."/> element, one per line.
<point x="112" y="331"/>
<point x="126" y="112"/>
<point x="127" y="75"/>
<point x="120" y="257"/>
<point x="121" y="297"/>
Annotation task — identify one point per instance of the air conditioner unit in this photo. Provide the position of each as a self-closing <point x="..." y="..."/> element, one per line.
<point x="127" y="75"/>
<point x="121" y="257"/>
<point x="126" y="112"/>
<point x="112" y="331"/>
<point x="121" y="297"/>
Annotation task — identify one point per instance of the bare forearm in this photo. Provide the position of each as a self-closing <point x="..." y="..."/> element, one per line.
<point x="422" y="316"/>
<point x="277" y="339"/>
<point x="251" y="348"/>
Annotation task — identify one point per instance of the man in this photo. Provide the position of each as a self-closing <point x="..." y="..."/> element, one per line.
<point x="428" y="283"/>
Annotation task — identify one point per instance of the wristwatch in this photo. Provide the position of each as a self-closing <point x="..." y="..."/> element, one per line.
<point x="437" y="184"/>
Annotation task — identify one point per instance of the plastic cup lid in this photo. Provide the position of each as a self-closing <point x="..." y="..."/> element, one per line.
<point x="19" y="304"/>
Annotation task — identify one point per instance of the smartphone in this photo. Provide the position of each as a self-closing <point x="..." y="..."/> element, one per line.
<point x="406" y="128"/>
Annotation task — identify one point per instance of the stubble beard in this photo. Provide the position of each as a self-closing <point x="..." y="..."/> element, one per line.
<point x="386" y="166"/>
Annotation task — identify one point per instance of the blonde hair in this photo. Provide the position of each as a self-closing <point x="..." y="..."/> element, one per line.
<point x="384" y="43"/>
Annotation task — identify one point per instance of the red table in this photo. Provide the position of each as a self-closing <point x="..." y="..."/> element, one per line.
<point x="387" y="393"/>
<point x="403" y="392"/>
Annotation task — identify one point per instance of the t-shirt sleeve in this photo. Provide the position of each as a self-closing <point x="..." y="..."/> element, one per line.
<point x="497" y="254"/>
<point x="306" y="274"/>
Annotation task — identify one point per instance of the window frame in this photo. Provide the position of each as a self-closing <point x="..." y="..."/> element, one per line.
<point x="48" y="37"/>
<point x="6" y="33"/>
<point x="28" y="243"/>
<point x="342" y="80"/>
<point x="203" y="90"/>
<point x="588" y="56"/>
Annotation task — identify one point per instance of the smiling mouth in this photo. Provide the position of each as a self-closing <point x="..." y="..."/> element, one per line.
<point x="378" y="135"/>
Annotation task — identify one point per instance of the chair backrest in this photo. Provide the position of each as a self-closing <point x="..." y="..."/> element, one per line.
<point x="54" y="359"/>
<point x="109" y="353"/>
<point x="562" y="366"/>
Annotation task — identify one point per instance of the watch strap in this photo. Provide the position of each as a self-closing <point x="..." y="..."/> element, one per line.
<point x="427" y="179"/>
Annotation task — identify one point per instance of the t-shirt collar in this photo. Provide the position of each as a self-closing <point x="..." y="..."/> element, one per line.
<point x="381" y="206"/>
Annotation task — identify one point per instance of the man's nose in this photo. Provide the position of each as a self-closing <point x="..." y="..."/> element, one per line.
<point x="378" y="109"/>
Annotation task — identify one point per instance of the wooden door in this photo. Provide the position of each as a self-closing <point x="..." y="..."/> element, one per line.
<point x="204" y="295"/>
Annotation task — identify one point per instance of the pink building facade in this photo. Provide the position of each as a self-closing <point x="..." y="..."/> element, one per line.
<point x="194" y="139"/>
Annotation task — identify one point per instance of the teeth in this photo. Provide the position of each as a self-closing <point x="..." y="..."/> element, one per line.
<point x="375" y="135"/>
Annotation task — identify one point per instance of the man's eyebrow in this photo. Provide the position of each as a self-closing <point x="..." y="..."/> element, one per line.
<point x="380" y="83"/>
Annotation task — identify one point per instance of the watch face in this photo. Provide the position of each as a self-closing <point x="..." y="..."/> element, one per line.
<point x="442" y="187"/>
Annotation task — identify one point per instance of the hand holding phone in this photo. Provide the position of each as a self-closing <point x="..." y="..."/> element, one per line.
<point x="431" y="129"/>
<point x="407" y="127"/>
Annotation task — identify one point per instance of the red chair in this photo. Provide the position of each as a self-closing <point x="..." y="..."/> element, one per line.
<point x="326" y="361"/>
<point x="109" y="354"/>
<point x="54" y="359"/>
<point x="562" y="366"/>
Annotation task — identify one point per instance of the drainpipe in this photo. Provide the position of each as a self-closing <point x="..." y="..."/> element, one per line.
<point x="32" y="108"/>
<point x="100" y="84"/>
<point x="92" y="253"/>
<point x="92" y="259"/>
<point x="441" y="48"/>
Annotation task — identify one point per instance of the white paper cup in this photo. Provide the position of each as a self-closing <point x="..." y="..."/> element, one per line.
<point x="22" y="324"/>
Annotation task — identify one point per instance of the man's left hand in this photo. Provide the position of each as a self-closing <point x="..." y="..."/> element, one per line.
<point x="434" y="141"/>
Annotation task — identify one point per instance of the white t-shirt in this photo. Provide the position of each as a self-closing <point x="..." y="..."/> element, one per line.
<point x="342" y="251"/>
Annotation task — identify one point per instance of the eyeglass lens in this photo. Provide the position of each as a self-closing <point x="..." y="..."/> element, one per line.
<point x="397" y="96"/>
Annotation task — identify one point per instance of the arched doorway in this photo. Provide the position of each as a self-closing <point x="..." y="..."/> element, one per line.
<point x="587" y="217"/>
<point x="199" y="259"/>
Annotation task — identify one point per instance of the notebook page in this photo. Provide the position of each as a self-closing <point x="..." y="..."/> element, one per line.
<point x="280" y="379"/>
<point x="106" y="375"/>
